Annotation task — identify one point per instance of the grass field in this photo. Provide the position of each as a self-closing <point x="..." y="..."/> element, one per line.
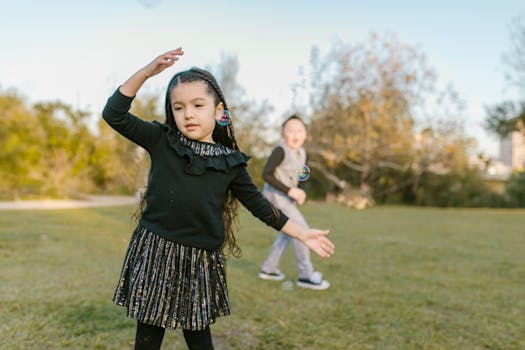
<point x="402" y="278"/>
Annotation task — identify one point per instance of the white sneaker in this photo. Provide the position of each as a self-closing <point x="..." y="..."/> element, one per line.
<point x="271" y="276"/>
<point x="315" y="282"/>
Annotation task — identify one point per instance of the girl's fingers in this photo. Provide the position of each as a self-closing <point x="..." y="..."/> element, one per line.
<point x="326" y="242"/>
<point x="323" y="247"/>
<point x="162" y="62"/>
<point x="170" y="56"/>
<point x="324" y="253"/>
<point x="169" y="60"/>
<point x="318" y="233"/>
<point x="327" y="246"/>
<point x="178" y="50"/>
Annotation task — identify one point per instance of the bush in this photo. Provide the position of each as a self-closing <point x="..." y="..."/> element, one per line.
<point x="515" y="191"/>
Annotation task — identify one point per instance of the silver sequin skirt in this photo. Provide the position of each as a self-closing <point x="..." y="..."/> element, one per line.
<point x="170" y="285"/>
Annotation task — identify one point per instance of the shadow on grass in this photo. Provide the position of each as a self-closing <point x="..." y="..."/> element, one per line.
<point x="95" y="318"/>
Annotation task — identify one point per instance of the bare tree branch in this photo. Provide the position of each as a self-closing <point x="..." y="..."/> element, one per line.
<point x="341" y="184"/>
<point x="392" y="165"/>
<point x="354" y="166"/>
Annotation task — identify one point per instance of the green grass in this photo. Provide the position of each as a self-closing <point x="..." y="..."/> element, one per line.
<point x="402" y="278"/>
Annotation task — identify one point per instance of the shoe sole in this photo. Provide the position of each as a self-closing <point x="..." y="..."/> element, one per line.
<point x="322" y="286"/>
<point x="264" y="276"/>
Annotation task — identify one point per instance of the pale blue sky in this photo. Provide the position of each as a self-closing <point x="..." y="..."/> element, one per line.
<point x="80" y="51"/>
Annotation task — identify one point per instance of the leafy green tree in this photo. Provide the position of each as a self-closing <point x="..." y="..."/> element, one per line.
<point x="21" y="138"/>
<point x="67" y="144"/>
<point x="46" y="149"/>
<point x="118" y="165"/>
<point x="505" y="117"/>
<point x="515" y="190"/>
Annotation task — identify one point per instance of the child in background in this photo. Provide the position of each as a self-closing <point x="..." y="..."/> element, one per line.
<point x="173" y="274"/>
<point x="282" y="173"/>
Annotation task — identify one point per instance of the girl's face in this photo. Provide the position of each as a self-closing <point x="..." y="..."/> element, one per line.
<point x="294" y="134"/>
<point x="195" y="111"/>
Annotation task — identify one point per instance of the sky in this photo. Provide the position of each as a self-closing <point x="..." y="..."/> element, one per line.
<point x="79" y="52"/>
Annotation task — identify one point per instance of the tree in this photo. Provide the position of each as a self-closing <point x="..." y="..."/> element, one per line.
<point x="515" y="190"/>
<point x="380" y="127"/>
<point x="250" y="118"/>
<point x="509" y="116"/>
<point x="119" y="164"/>
<point x="505" y="117"/>
<point x="362" y="100"/>
<point x="46" y="149"/>
<point x="20" y="140"/>
<point x="67" y="145"/>
<point x="253" y="130"/>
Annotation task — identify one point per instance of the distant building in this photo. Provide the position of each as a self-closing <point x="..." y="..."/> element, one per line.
<point x="512" y="151"/>
<point x="511" y="158"/>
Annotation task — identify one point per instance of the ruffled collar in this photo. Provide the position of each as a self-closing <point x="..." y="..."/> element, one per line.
<point x="203" y="149"/>
<point x="202" y="156"/>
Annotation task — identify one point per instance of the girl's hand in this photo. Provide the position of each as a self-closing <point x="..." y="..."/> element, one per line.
<point x="316" y="241"/>
<point x="162" y="62"/>
<point x="313" y="238"/>
<point x="134" y="83"/>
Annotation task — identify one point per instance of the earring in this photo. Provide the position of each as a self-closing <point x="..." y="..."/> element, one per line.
<point x="225" y="119"/>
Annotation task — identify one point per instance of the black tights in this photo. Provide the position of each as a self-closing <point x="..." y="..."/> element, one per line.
<point x="150" y="337"/>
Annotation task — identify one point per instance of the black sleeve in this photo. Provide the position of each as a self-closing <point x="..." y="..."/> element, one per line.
<point x="139" y="131"/>
<point x="247" y="193"/>
<point x="273" y="161"/>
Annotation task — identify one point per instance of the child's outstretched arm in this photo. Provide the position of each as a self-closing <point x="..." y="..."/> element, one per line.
<point x="116" y="112"/>
<point x="134" y="83"/>
<point x="313" y="238"/>
<point x="248" y="194"/>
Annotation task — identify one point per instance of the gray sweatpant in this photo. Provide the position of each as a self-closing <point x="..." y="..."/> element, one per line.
<point x="302" y="252"/>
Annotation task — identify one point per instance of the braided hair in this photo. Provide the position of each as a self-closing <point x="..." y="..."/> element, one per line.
<point x="223" y="135"/>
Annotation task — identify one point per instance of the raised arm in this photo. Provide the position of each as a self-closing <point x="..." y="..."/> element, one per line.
<point x="116" y="112"/>
<point x="135" y="82"/>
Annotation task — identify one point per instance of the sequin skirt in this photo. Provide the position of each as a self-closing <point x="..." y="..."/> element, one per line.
<point x="170" y="285"/>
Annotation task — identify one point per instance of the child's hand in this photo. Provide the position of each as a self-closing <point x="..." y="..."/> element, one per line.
<point x="316" y="241"/>
<point x="162" y="62"/>
<point x="297" y="194"/>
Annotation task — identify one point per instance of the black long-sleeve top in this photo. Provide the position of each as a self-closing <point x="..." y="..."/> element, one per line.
<point x="188" y="180"/>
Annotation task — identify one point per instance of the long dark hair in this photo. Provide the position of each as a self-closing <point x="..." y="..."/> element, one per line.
<point x="223" y="135"/>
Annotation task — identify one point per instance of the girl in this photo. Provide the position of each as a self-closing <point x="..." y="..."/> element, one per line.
<point x="173" y="274"/>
